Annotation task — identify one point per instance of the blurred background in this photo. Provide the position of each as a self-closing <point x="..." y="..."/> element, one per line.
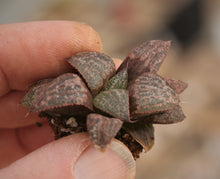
<point x="190" y="149"/>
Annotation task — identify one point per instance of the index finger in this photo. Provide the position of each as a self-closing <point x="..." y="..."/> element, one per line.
<point x="35" y="50"/>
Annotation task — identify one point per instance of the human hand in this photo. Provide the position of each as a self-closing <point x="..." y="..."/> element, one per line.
<point x="34" y="51"/>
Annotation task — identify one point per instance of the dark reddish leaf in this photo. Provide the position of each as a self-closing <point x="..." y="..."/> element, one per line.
<point x="34" y="91"/>
<point x="150" y="94"/>
<point x="114" y="102"/>
<point x="119" y="81"/>
<point x="178" y="85"/>
<point x="96" y="68"/>
<point x="168" y="117"/>
<point x="147" y="57"/>
<point x="142" y="133"/>
<point x="102" y="129"/>
<point x="64" y="95"/>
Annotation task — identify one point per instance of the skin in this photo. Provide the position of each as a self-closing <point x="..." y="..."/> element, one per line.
<point x="30" y="52"/>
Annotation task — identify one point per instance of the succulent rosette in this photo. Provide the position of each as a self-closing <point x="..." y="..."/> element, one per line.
<point x="122" y="104"/>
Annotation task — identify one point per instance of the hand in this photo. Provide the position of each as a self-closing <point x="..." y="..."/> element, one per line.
<point x="34" y="51"/>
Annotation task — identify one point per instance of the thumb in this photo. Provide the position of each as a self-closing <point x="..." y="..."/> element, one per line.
<point x="73" y="157"/>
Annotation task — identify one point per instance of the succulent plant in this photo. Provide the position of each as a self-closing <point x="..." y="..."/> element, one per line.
<point x="106" y="103"/>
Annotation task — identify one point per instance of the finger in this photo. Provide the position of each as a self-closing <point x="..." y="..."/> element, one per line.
<point x="16" y="143"/>
<point x="32" y="51"/>
<point x="73" y="157"/>
<point x="36" y="50"/>
<point x="117" y="62"/>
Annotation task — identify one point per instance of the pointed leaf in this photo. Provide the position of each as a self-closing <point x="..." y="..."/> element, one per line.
<point x="168" y="117"/>
<point x="150" y="94"/>
<point x="66" y="94"/>
<point x="142" y="133"/>
<point x="34" y="91"/>
<point x="119" y="81"/>
<point x="113" y="102"/>
<point x="178" y="85"/>
<point x="102" y="129"/>
<point x="96" y="68"/>
<point x="147" y="57"/>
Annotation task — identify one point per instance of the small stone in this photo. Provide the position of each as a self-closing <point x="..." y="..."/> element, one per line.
<point x="52" y="121"/>
<point x="65" y="130"/>
<point x="38" y="124"/>
<point x="72" y="122"/>
<point x="125" y="136"/>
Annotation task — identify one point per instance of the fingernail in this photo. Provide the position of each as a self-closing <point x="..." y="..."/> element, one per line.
<point x="115" y="162"/>
<point x="94" y="41"/>
<point x="125" y="154"/>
